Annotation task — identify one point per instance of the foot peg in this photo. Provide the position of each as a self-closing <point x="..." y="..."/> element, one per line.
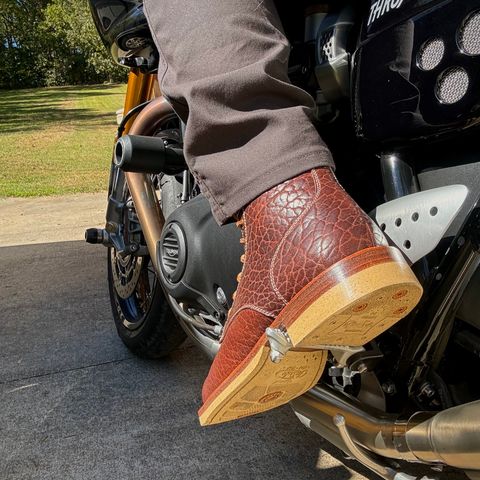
<point x="280" y="343"/>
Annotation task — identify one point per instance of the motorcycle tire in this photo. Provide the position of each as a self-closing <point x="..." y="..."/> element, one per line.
<point x="155" y="332"/>
<point x="143" y="318"/>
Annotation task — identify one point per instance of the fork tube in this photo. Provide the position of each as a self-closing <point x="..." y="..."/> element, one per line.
<point x="140" y="89"/>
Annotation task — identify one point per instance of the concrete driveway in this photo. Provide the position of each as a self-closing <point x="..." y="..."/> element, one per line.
<point x="75" y="404"/>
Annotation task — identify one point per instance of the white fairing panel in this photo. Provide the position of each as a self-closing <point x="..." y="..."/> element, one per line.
<point x="416" y="223"/>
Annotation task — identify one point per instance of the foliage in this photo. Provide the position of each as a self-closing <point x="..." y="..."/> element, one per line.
<point x="51" y="42"/>
<point x="19" y="25"/>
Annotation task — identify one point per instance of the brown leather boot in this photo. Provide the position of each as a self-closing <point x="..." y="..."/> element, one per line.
<point x="316" y="273"/>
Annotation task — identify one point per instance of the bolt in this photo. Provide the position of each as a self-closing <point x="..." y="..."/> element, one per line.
<point x="427" y="390"/>
<point x="111" y="227"/>
<point x="133" y="247"/>
<point x="221" y="297"/>
<point x="362" y="368"/>
<point x="389" y="387"/>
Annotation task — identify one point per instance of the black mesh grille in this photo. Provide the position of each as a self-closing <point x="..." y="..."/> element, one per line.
<point x="170" y="249"/>
<point x="452" y="85"/>
<point x="469" y="38"/>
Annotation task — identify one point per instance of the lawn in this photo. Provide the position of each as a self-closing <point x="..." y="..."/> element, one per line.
<point x="57" y="140"/>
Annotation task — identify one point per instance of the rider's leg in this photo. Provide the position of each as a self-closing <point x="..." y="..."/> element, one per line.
<point x="224" y="66"/>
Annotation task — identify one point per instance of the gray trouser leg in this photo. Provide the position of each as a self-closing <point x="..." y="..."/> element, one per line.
<point x="223" y="67"/>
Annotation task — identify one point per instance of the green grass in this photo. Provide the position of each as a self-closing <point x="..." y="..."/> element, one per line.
<point x="56" y="141"/>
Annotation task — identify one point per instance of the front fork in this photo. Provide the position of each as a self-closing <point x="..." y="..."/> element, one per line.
<point x="141" y="88"/>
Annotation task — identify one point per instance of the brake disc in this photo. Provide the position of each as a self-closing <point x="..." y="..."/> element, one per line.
<point x="126" y="272"/>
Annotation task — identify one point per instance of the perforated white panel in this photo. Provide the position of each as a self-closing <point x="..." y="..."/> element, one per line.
<point x="416" y="223"/>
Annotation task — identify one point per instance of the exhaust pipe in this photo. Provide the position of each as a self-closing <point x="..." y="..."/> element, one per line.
<point x="450" y="437"/>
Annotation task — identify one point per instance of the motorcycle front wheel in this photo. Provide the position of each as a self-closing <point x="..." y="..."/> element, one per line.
<point x="144" y="321"/>
<point x="143" y="318"/>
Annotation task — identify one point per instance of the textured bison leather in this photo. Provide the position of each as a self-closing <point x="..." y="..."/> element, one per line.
<point x="292" y="233"/>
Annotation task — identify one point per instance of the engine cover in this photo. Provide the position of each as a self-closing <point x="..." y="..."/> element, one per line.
<point x="197" y="257"/>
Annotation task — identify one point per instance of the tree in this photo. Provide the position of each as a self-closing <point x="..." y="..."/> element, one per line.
<point x="51" y="42"/>
<point x="21" y="42"/>
<point x="78" y="56"/>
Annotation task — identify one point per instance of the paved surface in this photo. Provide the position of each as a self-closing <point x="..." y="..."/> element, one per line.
<point x="75" y="404"/>
<point x="50" y="219"/>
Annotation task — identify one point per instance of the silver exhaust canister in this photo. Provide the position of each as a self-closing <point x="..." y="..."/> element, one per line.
<point x="450" y="437"/>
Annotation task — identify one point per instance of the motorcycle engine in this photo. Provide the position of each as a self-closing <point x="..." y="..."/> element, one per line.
<point x="199" y="259"/>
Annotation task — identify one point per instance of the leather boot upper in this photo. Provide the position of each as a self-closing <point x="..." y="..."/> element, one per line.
<point x="292" y="233"/>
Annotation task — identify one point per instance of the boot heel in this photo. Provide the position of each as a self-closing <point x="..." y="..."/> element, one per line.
<point x="353" y="302"/>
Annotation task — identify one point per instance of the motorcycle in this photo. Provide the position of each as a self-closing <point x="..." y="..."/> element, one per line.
<point x="398" y="103"/>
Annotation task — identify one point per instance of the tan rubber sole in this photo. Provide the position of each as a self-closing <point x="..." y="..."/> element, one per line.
<point x="345" y="306"/>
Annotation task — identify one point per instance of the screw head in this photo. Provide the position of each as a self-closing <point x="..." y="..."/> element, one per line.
<point x="389" y="387"/>
<point x="427" y="390"/>
<point x="221" y="297"/>
<point x="111" y="227"/>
